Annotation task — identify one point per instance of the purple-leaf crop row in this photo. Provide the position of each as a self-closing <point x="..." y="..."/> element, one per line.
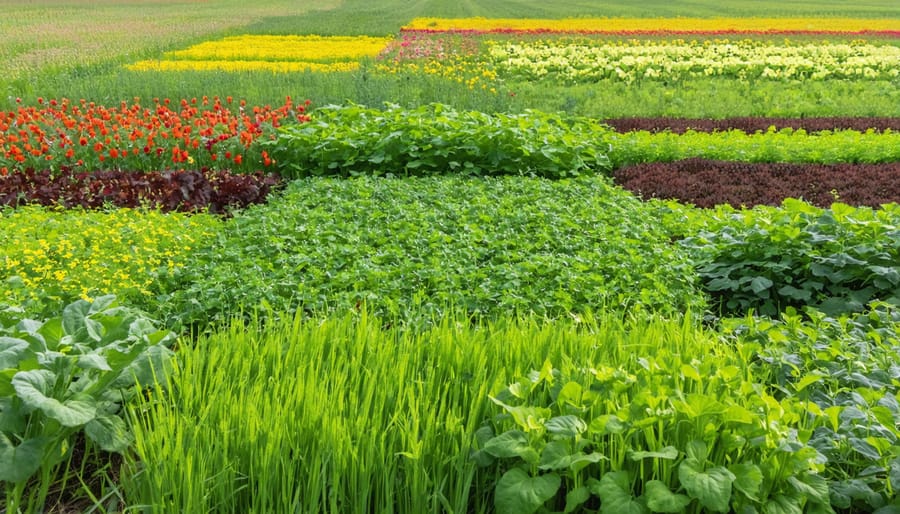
<point x="753" y="124"/>
<point x="185" y="191"/>
<point x="707" y="183"/>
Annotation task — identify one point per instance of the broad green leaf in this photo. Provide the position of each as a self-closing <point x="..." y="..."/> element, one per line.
<point x="149" y="365"/>
<point x="93" y="361"/>
<point x="814" y="487"/>
<point x="557" y="456"/>
<point x="614" y="490"/>
<point x="712" y="487"/>
<point x="74" y="315"/>
<point x="668" y="453"/>
<point x="808" y="380"/>
<point x="607" y="424"/>
<point x="865" y="449"/>
<point x="94" y="329"/>
<point x="52" y="331"/>
<point x="696" y="450"/>
<point x="33" y="388"/>
<point x="661" y="499"/>
<point x="576" y="498"/>
<point x="11" y="349"/>
<point x="760" y="284"/>
<point x="18" y="463"/>
<point x="782" y="504"/>
<point x="895" y="474"/>
<point x="571" y="394"/>
<point x="110" y="432"/>
<point x="747" y="479"/>
<point x="567" y="426"/>
<point x="518" y="493"/>
<point x="511" y="444"/>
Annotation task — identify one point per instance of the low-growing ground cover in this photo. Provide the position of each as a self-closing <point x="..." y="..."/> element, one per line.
<point x="216" y="192"/>
<point x="750" y="125"/>
<point x="707" y="183"/>
<point x="410" y="249"/>
<point x="49" y="257"/>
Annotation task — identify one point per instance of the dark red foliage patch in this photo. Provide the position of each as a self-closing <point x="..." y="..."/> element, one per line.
<point x="184" y="191"/>
<point x="751" y="125"/>
<point x="706" y="183"/>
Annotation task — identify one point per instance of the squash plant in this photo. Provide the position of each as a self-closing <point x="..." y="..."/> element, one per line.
<point x="65" y="376"/>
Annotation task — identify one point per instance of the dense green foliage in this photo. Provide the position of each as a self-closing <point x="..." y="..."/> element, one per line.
<point x="640" y="415"/>
<point x="798" y="415"/>
<point x="785" y="145"/>
<point x="436" y="139"/>
<point x="411" y="248"/>
<point x="767" y="259"/>
<point x="65" y="377"/>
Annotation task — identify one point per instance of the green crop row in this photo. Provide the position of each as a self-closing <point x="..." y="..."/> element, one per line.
<point x="347" y="414"/>
<point x="769" y="259"/>
<point x="436" y="139"/>
<point x="352" y="140"/>
<point x="410" y="248"/>
<point x="784" y="145"/>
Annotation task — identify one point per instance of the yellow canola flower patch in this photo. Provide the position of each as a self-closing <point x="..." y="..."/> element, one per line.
<point x="278" y="54"/>
<point x="649" y="25"/>
<point x="284" y="48"/>
<point x="273" y="66"/>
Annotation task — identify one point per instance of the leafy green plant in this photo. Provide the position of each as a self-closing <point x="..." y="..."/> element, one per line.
<point x="65" y="377"/>
<point x="767" y="259"/>
<point x="352" y="140"/>
<point x="658" y="434"/>
<point x="411" y="248"/>
<point x="785" y="145"/>
<point x="845" y="368"/>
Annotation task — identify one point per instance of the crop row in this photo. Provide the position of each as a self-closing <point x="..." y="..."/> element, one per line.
<point x="579" y="61"/>
<point x="282" y="54"/>
<point x="707" y="183"/>
<point x="395" y="141"/>
<point x="185" y="191"/>
<point x="751" y="125"/>
<point x="651" y="26"/>
<point x="205" y="132"/>
<point x="511" y="417"/>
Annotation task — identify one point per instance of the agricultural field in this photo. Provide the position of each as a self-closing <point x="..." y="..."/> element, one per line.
<point x="503" y="256"/>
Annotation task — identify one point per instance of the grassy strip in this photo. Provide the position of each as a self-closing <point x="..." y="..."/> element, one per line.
<point x="408" y="248"/>
<point x="351" y="414"/>
<point x="342" y="415"/>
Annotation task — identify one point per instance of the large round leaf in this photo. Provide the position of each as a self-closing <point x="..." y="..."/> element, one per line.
<point x="519" y="493"/>
<point x="33" y="388"/>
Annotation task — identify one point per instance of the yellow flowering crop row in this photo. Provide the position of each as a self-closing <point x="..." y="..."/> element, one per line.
<point x="585" y="61"/>
<point x="283" y="48"/>
<point x="278" y="54"/>
<point x="648" y="25"/>
<point x="63" y="255"/>
<point x="217" y="65"/>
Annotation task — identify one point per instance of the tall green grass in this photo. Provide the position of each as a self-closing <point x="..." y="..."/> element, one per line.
<point x="349" y="415"/>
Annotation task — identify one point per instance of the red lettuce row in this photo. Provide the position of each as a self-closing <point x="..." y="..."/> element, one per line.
<point x="706" y="183"/>
<point x="751" y="125"/>
<point x="184" y="191"/>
